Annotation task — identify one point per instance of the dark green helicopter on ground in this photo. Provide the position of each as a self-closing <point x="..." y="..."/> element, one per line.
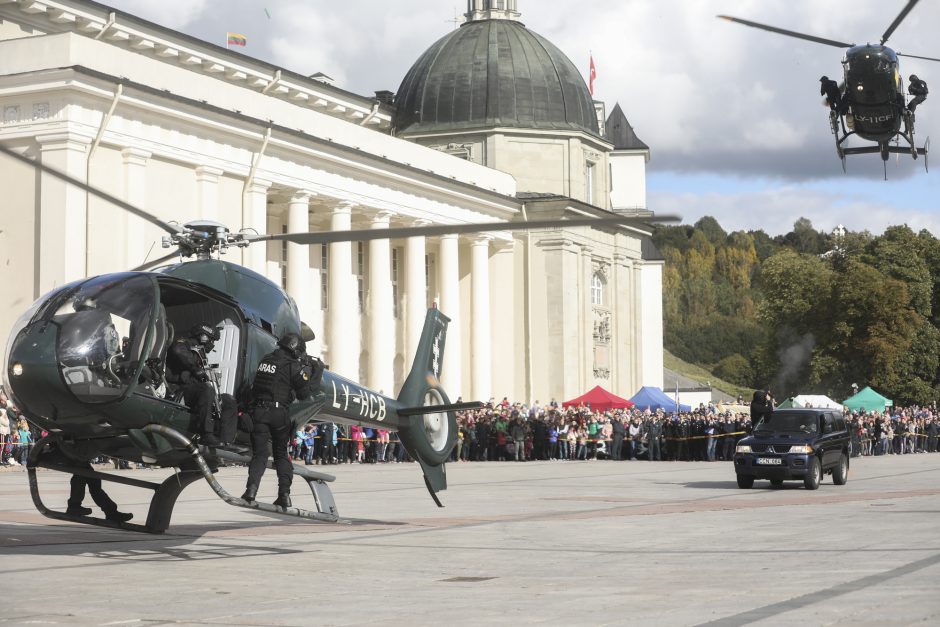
<point x="80" y="364"/>
<point x="872" y="100"/>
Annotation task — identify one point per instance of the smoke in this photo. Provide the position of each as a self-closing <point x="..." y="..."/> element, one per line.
<point x="794" y="354"/>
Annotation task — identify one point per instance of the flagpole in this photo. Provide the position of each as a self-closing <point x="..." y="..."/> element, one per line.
<point x="677" y="396"/>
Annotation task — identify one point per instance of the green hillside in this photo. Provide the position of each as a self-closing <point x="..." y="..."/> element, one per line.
<point x="703" y="376"/>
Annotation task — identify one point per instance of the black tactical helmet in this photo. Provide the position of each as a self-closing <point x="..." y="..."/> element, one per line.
<point x="824" y="79"/>
<point x="205" y="333"/>
<point x="912" y="78"/>
<point x="293" y="344"/>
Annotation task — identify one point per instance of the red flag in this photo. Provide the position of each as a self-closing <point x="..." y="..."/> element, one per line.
<point x="593" y="74"/>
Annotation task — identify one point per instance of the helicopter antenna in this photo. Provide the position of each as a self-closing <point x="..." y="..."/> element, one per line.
<point x="156" y="262"/>
<point x="897" y="21"/>
<point x="150" y="250"/>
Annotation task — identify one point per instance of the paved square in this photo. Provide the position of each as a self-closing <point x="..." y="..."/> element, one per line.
<point x="585" y="543"/>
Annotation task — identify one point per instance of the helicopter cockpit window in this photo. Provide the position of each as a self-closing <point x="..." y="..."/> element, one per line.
<point x="102" y="331"/>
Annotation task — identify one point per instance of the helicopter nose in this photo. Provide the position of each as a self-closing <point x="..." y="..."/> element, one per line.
<point x="33" y="371"/>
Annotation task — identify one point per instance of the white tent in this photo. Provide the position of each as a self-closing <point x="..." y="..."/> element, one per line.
<point x="814" y="400"/>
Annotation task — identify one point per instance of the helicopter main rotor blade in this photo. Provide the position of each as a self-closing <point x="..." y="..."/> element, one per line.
<point x="156" y="262"/>
<point x="140" y="213"/>
<point x="788" y="33"/>
<point x="914" y="56"/>
<point x="897" y="21"/>
<point x="365" y="235"/>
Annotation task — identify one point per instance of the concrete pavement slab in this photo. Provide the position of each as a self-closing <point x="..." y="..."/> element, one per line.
<point x="584" y="543"/>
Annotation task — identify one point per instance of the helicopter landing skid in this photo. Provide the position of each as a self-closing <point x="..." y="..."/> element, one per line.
<point x="161" y="505"/>
<point x="326" y="507"/>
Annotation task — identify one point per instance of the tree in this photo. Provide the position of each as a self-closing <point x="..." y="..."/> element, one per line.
<point x="764" y="245"/>
<point x="736" y="369"/>
<point x="805" y="239"/>
<point x="709" y="227"/>
<point x="796" y="290"/>
<point x="875" y="325"/>
<point x="899" y="254"/>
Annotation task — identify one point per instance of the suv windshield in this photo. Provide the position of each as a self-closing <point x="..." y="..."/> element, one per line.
<point x="786" y="422"/>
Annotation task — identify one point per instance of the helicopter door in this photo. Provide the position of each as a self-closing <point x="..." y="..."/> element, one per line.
<point x="225" y="355"/>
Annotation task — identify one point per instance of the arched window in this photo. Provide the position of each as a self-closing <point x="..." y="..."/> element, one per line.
<point x="597" y="289"/>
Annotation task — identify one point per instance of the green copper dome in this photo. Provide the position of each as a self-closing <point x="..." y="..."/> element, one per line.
<point x="493" y="73"/>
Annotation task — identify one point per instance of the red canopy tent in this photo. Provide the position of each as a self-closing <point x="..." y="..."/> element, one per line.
<point x="600" y="400"/>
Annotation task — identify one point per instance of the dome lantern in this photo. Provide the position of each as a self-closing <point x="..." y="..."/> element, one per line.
<point x="492" y="10"/>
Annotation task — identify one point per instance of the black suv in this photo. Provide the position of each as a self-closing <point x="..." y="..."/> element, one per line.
<point x="796" y="444"/>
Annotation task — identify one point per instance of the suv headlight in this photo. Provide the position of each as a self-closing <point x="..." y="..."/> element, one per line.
<point x="742" y="448"/>
<point x="802" y="448"/>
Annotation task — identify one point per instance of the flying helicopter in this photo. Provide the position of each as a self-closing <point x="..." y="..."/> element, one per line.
<point x="80" y="364"/>
<point x="873" y="105"/>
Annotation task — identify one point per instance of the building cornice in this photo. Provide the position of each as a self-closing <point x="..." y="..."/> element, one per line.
<point x="592" y="140"/>
<point x="87" y="81"/>
<point x="132" y="33"/>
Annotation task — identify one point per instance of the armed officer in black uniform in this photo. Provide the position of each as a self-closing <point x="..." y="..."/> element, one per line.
<point x="186" y="367"/>
<point x="282" y="375"/>
<point x="917" y="88"/>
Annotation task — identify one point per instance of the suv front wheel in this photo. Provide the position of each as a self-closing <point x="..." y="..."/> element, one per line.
<point x="811" y="481"/>
<point x="745" y="481"/>
<point x="840" y="474"/>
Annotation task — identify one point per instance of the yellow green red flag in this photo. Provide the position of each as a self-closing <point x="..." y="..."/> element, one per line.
<point x="236" y="39"/>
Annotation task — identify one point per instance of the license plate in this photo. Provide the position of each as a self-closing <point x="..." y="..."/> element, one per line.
<point x="769" y="461"/>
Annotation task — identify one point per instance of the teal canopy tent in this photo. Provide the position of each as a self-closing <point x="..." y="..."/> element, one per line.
<point x="868" y="400"/>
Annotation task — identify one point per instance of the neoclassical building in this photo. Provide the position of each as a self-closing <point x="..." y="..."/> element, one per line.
<point x="493" y="123"/>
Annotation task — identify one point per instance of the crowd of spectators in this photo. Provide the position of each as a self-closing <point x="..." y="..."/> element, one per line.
<point x="508" y="431"/>
<point x="16" y="434"/>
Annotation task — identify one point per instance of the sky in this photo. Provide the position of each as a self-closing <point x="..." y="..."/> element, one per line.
<point x="732" y="115"/>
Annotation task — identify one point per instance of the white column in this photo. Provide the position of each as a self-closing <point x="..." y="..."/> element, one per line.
<point x="207" y="186"/>
<point x="63" y="211"/>
<point x="449" y="282"/>
<point x="381" y="312"/>
<point x="342" y="330"/>
<point x="135" y="193"/>
<point x="255" y="216"/>
<point x="416" y="293"/>
<point x="587" y="320"/>
<point x="298" y="255"/>
<point x="480" y="317"/>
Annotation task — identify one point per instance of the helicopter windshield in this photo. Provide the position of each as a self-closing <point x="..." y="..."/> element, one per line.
<point x="102" y="329"/>
<point x="871" y="76"/>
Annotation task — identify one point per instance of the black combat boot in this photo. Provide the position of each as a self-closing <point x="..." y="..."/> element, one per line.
<point x="78" y="510"/>
<point x="117" y="516"/>
<point x="283" y="500"/>
<point x="251" y="491"/>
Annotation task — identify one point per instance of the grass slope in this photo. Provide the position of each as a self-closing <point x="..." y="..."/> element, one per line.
<point x="702" y="375"/>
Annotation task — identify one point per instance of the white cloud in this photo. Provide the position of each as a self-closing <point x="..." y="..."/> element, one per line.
<point x="775" y="208"/>
<point x="708" y="96"/>
<point x="175" y="14"/>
